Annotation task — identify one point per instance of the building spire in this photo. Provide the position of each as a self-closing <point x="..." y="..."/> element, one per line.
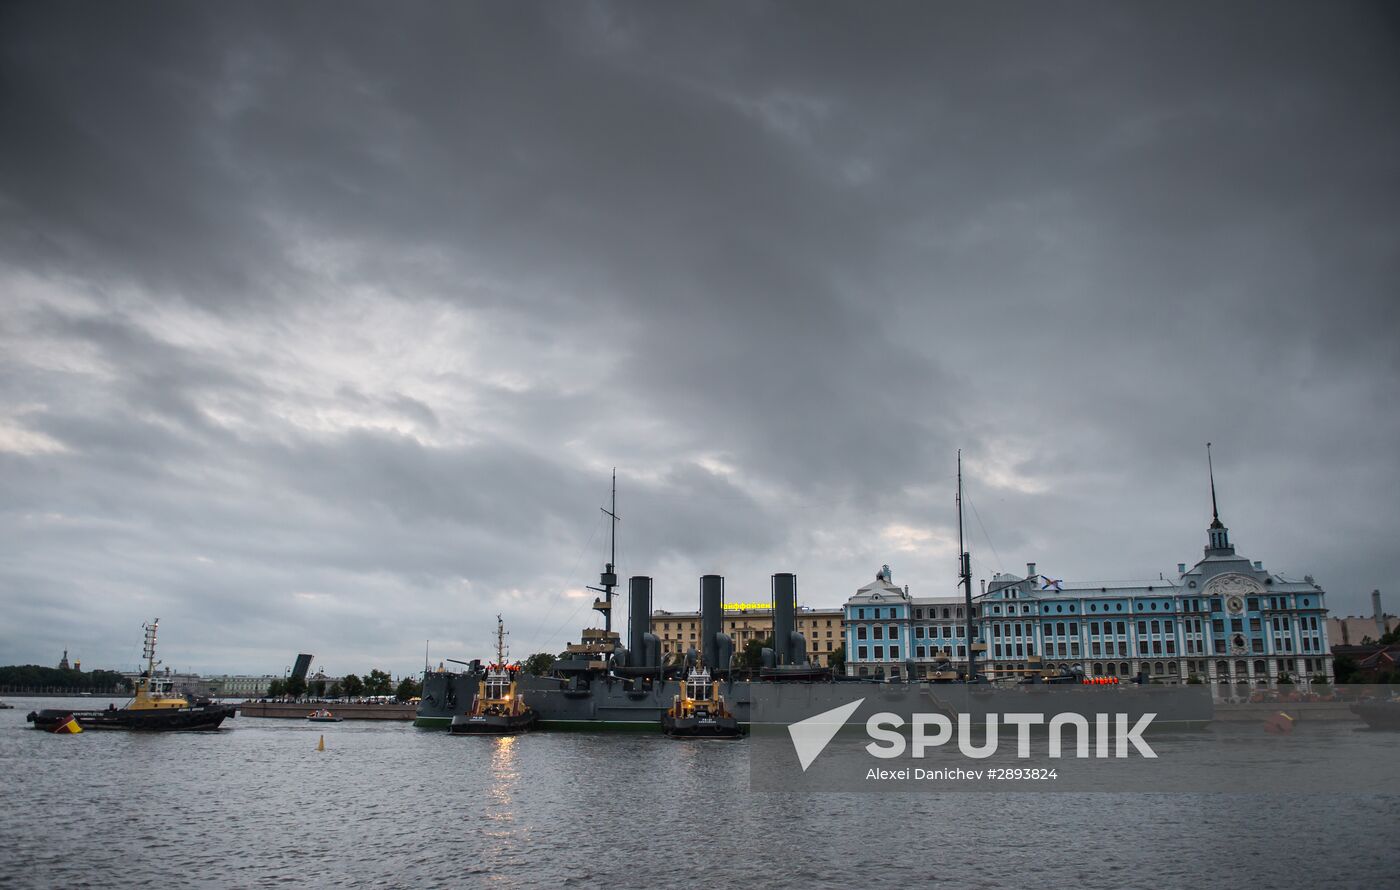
<point x="1217" y="535"/>
<point x="1214" y="506"/>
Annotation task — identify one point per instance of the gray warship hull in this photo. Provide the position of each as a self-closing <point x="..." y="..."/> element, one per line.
<point x="597" y="703"/>
<point x="446" y="694"/>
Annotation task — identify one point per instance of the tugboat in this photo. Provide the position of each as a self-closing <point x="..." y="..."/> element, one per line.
<point x="156" y="707"/>
<point x="698" y="711"/>
<point x="498" y="708"/>
<point x="323" y="716"/>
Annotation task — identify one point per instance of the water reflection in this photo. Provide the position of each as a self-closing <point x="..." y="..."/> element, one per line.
<point x="505" y="769"/>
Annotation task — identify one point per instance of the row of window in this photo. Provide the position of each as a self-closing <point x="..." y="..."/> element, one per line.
<point x="734" y="625"/>
<point x="1275" y="603"/>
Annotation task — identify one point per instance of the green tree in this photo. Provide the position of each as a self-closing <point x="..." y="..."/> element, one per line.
<point x="352" y="686"/>
<point x="276" y="689"/>
<point x="408" y="688"/>
<point x="378" y="683"/>
<point x="538" y="664"/>
<point x="39" y="678"/>
<point x="1344" y="668"/>
<point x="752" y="656"/>
<point x="295" y="686"/>
<point x="318" y="688"/>
<point x="335" y="691"/>
<point x="837" y="660"/>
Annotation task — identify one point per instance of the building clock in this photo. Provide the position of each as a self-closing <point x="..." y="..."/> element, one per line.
<point x="1235" y="605"/>
<point x="1237" y="646"/>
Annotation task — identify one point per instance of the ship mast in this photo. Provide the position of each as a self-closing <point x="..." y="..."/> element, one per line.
<point x="148" y="652"/>
<point x="608" y="580"/>
<point x="501" y="635"/>
<point x="965" y="575"/>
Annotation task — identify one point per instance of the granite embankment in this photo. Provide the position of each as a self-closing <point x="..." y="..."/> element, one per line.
<point x="349" y="710"/>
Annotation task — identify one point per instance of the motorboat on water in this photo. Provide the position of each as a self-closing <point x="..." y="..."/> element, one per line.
<point x="156" y="707"/>
<point x="322" y="715"/>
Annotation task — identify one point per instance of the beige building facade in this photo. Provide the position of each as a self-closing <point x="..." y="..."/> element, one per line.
<point x="823" y="628"/>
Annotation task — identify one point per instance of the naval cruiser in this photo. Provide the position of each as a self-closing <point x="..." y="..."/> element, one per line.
<point x="599" y="683"/>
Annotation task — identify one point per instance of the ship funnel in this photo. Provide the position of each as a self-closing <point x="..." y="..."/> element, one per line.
<point x="639" y="620"/>
<point x="789" y="647"/>
<point x="716" y="647"/>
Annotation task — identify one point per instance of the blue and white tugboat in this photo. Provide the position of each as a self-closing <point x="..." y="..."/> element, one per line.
<point x="498" y="708"/>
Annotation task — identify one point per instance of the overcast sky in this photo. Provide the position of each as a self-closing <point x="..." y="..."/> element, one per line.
<point x="323" y="326"/>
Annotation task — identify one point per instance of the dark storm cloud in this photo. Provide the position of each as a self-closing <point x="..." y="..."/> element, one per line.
<point x="324" y="325"/>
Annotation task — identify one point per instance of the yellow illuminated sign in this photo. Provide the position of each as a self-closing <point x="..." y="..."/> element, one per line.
<point x="746" y="607"/>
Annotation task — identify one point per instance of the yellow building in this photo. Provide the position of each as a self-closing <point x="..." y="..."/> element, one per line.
<point x="823" y="628"/>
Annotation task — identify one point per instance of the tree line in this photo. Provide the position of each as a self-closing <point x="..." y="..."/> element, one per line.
<point x="37" y="677"/>
<point x="375" y="683"/>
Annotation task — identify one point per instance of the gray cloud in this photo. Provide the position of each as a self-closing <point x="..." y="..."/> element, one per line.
<point x="322" y="327"/>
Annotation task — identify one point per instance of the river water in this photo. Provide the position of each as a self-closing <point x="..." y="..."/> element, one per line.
<point x="388" y="805"/>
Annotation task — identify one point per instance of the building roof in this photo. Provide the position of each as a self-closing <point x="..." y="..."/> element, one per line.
<point x="1381" y="658"/>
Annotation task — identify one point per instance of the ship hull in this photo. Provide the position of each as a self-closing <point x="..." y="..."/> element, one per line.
<point x="700" y="727"/>
<point x="198" y="719"/>
<point x="1379" y="714"/>
<point x="491" y="724"/>
<point x="446" y="695"/>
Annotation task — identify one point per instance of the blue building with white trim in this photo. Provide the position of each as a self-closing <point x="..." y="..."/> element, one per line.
<point x="1225" y="620"/>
